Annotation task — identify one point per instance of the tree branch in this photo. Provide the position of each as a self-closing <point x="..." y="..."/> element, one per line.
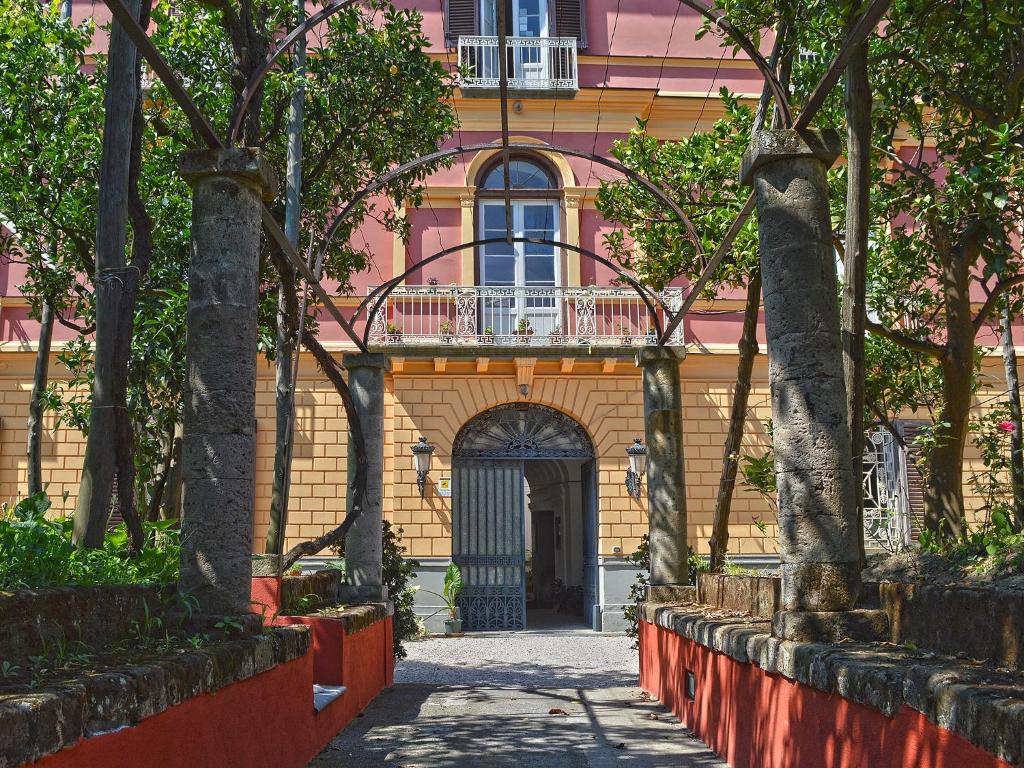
<point x="909" y="342"/>
<point x="357" y="483"/>
<point x="993" y="298"/>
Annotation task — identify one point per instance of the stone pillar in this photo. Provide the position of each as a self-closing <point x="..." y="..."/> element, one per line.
<point x="666" y="487"/>
<point x="818" y="531"/>
<point x="219" y="438"/>
<point x="363" y="548"/>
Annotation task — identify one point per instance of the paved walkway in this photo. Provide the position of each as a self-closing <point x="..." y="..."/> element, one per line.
<point x="533" y="699"/>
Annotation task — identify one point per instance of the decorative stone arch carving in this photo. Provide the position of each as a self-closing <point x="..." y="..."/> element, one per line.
<point x="522" y="431"/>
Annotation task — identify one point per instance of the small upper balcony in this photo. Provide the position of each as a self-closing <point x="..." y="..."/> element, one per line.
<point x="515" y="318"/>
<point x="538" y="66"/>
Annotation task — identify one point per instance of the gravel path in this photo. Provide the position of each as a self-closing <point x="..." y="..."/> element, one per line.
<point x="534" y="699"/>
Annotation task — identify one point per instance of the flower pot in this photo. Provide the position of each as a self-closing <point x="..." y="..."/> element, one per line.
<point x="452" y="626"/>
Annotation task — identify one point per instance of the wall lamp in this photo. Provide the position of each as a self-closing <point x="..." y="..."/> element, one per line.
<point x="637" y="453"/>
<point x="421" y="453"/>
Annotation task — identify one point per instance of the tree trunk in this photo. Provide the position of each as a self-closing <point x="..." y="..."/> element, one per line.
<point x="357" y="482"/>
<point x="288" y="320"/>
<point x="1013" y="398"/>
<point x="284" y="404"/>
<point x="35" y="404"/>
<point x="748" y="350"/>
<point x="92" y="507"/>
<point x="858" y="136"/>
<point x="156" y="499"/>
<point x="943" y="492"/>
<point x="171" y="504"/>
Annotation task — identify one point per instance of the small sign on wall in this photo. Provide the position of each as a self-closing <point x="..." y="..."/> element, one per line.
<point x="444" y="486"/>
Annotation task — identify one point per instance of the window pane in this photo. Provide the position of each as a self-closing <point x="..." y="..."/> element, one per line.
<point x="499" y="270"/>
<point x="494" y="217"/>
<point x="540" y="270"/>
<point x="522" y="175"/>
<point x="539" y="217"/>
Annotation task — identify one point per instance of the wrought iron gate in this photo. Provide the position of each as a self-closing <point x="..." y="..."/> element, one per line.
<point x="488" y="542"/>
<point x="488" y="515"/>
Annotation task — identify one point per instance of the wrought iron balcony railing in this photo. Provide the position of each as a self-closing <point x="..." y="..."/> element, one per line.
<point x="532" y="63"/>
<point x="428" y="315"/>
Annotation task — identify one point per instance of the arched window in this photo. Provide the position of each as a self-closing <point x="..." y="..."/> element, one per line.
<point x="535" y="267"/>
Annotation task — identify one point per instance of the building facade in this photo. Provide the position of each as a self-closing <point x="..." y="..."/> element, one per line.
<point x="517" y="362"/>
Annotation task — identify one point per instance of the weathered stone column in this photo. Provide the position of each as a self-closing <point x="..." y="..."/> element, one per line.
<point x="666" y="486"/>
<point x="818" y="532"/>
<point x="219" y="439"/>
<point x="363" y="549"/>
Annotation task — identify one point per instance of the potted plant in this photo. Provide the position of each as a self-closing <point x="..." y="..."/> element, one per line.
<point x="488" y="337"/>
<point x="523" y="331"/>
<point x="447" y="331"/>
<point x="625" y="335"/>
<point x="450" y="596"/>
<point x="432" y="281"/>
<point x="394" y="333"/>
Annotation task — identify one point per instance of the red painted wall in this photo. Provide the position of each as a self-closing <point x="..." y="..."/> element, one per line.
<point x="266" y="721"/>
<point x="757" y="720"/>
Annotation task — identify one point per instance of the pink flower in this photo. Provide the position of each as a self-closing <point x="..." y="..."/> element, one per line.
<point x="1006" y="426"/>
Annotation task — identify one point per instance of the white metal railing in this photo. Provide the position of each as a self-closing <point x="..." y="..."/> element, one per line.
<point x="518" y="316"/>
<point x="532" y="63"/>
<point x="886" y="502"/>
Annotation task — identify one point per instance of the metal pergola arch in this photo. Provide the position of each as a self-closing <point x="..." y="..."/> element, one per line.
<point x="375" y="299"/>
<point x="857" y="34"/>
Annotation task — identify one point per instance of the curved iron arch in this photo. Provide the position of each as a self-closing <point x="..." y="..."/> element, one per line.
<point x="744" y="42"/>
<point x="377" y="296"/>
<point x="443" y="154"/>
<point x="553" y="435"/>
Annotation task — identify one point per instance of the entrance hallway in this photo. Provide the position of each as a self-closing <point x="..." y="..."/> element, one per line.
<point x="485" y="701"/>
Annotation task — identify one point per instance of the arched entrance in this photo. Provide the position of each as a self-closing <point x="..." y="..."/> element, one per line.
<point x="524" y="516"/>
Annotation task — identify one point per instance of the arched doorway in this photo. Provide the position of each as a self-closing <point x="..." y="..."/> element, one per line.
<point x="523" y="494"/>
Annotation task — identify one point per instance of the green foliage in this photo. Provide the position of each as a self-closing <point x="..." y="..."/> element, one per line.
<point x="450" y="591"/>
<point x="641" y="559"/>
<point x="37" y="552"/>
<point x="991" y="435"/>
<point x="398" y="572"/>
<point x="701" y="173"/>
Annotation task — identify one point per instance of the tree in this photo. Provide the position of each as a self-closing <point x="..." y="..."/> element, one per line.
<point x="49" y="148"/>
<point x="953" y="210"/>
<point x="373" y="99"/>
<point x="109" y="450"/>
<point x="702" y="173"/>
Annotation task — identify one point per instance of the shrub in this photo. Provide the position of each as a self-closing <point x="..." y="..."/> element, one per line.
<point x="397" y="573"/>
<point x="642" y="560"/>
<point x="37" y="552"/>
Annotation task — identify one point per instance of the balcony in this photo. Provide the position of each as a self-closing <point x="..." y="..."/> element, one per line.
<point x="536" y="66"/>
<point x="475" y="317"/>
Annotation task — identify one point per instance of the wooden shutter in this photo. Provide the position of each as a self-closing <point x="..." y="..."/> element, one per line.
<point x="459" y="19"/>
<point x="571" y="20"/>
<point x="909" y="431"/>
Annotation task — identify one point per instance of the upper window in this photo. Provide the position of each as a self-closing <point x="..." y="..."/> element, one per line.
<point x="523" y="174"/>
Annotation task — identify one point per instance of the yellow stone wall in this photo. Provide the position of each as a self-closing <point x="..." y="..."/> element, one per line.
<point x="435" y="398"/>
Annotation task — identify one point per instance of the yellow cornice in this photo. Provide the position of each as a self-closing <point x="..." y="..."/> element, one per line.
<point x="608" y="110"/>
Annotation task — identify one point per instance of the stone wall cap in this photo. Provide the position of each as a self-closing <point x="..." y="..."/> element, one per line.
<point x="366" y="360"/>
<point x="657" y="354"/>
<point x="244" y="163"/>
<point x="770" y="146"/>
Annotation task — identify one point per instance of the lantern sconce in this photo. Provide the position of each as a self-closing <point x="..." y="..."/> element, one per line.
<point x="421" y="453"/>
<point x="637" y="453"/>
